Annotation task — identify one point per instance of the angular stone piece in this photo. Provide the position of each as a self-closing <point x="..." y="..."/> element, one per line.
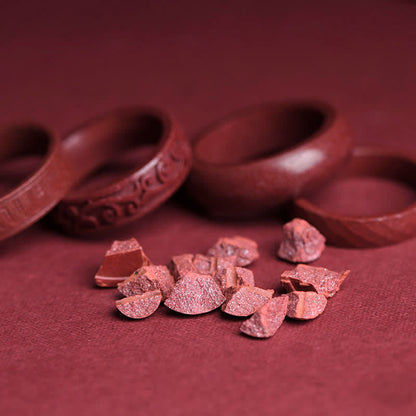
<point x="321" y="280"/>
<point x="146" y="279"/>
<point x="120" y="261"/>
<point x="240" y="250"/>
<point x="140" y="306"/>
<point x="196" y="263"/>
<point x="181" y="265"/>
<point x="305" y="305"/>
<point x="245" y="300"/>
<point x="234" y="277"/>
<point x="302" y="243"/>
<point x="194" y="294"/>
<point x="267" y="320"/>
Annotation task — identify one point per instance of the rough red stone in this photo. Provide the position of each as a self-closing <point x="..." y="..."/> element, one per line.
<point x="302" y="243"/>
<point x="234" y="277"/>
<point x="120" y="261"/>
<point x="319" y="279"/>
<point x="146" y="279"/>
<point x="267" y="320"/>
<point x="196" y="263"/>
<point x="305" y="305"/>
<point x="245" y="300"/>
<point x="140" y="306"/>
<point x="194" y="294"/>
<point x="240" y="250"/>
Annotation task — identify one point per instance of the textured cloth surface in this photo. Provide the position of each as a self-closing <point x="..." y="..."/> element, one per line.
<point x="64" y="348"/>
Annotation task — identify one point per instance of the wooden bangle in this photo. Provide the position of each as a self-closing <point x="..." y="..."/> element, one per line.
<point x="96" y="142"/>
<point x="251" y="162"/>
<point x="41" y="191"/>
<point x="368" y="231"/>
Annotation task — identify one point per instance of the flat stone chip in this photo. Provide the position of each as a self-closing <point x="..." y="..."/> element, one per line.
<point x="196" y="263"/>
<point x="194" y="294"/>
<point x="240" y="250"/>
<point x="267" y="320"/>
<point x="120" y="261"/>
<point x="305" y="305"/>
<point x="234" y="277"/>
<point x="140" y="306"/>
<point x="302" y="243"/>
<point x="147" y="279"/>
<point x="318" y="279"/>
<point x="244" y="301"/>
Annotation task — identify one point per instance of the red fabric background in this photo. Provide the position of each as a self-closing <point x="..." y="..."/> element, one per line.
<point x="65" y="351"/>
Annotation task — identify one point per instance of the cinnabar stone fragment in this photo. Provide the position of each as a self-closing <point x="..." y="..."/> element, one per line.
<point x="302" y="243"/>
<point x="305" y="305"/>
<point x="146" y="279"/>
<point x="120" y="261"/>
<point x="321" y="280"/>
<point x="234" y="277"/>
<point x="140" y="306"/>
<point x="245" y="300"/>
<point x="196" y="263"/>
<point x="240" y="250"/>
<point x="267" y="320"/>
<point x="194" y="294"/>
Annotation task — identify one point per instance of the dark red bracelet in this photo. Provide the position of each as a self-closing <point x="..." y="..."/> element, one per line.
<point x="98" y="141"/>
<point x="41" y="191"/>
<point x="368" y="231"/>
<point x="258" y="158"/>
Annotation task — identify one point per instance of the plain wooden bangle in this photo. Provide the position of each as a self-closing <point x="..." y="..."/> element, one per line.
<point x="263" y="156"/>
<point x="368" y="231"/>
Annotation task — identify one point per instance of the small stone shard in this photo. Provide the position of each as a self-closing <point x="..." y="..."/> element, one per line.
<point x="318" y="279"/>
<point x="120" y="261"/>
<point x="196" y="263"/>
<point x="140" y="306"/>
<point x="195" y="294"/>
<point x="305" y="305"/>
<point x="234" y="277"/>
<point x="302" y="243"/>
<point x="240" y="251"/>
<point x="146" y="279"/>
<point x="267" y="320"/>
<point x="245" y="300"/>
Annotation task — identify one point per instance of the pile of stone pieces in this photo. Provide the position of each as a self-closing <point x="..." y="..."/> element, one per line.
<point x="194" y="284"/>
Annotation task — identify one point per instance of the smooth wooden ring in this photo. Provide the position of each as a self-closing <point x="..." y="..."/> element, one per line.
<point x="263" y="156"/>
<point x="368" y="231"/>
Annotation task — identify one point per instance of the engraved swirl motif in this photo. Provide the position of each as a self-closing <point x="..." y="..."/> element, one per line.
<point x="138" y="195"/>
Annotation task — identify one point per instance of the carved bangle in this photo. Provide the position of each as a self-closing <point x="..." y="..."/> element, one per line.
<point x="147" y="187"/>
<point x="42" y="190"/>
<point x="253" y="161"/>
<point x="368" y="231"/>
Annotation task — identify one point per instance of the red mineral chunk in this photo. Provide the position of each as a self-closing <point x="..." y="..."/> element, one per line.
<point x="318" y="279"/>
<point x="305" y="305"/>
<point x="267" y="320"/>
<point x="123" y="258"/>
<point x="245" y="300"/>
<point x="194" y="294"/>
<point x="234" y="277"/>
<point x="196" y="263"/>
<point x="204" y="264"/>
<point x="181" y="265"/>
<point x="240" y="250"/>
<point x="146" y="279"/>
<point x="301" y="243"/>
<point x="140" y="306"/>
